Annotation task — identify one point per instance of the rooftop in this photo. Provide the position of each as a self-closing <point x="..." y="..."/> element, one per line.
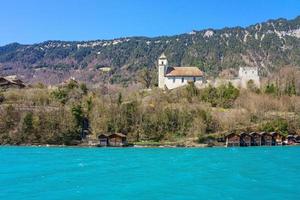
<point x="184" y="71"/>
<point x="162" y="56"/>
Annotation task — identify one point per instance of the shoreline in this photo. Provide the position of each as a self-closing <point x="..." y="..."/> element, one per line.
<point x="139" y="146"/>
<point x="95" y="146"/>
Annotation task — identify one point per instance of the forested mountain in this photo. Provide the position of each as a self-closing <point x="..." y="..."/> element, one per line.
<point x="269" y="45"/>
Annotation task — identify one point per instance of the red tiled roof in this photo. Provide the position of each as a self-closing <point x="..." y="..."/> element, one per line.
<point x="184" y="71"/>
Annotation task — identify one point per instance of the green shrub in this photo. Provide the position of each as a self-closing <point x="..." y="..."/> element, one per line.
<point x="277" y="125"/>
<point x="222" y="96"/>
<point x="61" y="95"/>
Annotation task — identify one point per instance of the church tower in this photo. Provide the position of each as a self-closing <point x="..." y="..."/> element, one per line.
<point x="162" y="67"/>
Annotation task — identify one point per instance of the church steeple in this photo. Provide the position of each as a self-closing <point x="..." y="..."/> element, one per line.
<point x="162" y="60"/>
<point x="162" y="68"/>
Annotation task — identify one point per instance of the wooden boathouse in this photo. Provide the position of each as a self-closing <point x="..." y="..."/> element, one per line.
<point x="233" y="140"/>
<point x="259" y="139"/>
<point x="103" y="140"/>
<point x="255" y="139"/>
<point x="276" y="138"/>
<point x="266" y="139"/>
<point x="112" y="140"/>
<point x="291" y="139"/>
<point x="245" y="139"/>
<point x="117" y="140"/>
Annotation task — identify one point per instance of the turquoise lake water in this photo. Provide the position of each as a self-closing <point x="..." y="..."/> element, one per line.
<point x="146" y="173"/>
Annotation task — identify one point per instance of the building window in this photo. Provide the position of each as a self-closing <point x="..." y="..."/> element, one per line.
<point x="194" y="79"/>
<point x="182" y="80"/>
<point x="162" y="62"/>
<point x="173" y="79"/>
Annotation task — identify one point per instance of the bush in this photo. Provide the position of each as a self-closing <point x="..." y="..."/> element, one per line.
<point x="61" y="95"/>
<point x="271" y="89"/>
<point x="252" y="87"/>
<point x="277" y="125"/>
<point x="222" y="96"/>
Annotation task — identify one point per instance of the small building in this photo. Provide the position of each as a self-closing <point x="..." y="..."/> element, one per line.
<point x="103" y="140"/>
<point x="247" y="74"/>
<point x="276" y="138"/>
<point x="232" y="140"/>
<point x="117" y="140"/>
<point x="266" y="139"/>
<point x="173" y="77"/>
<point x="291" y="139"/>
<point x="245" y="139"/>
<point x="297" y="138"/>
<point x="255" y="139"/>
<point x="11" y="82"/>
<point x="90" y="140"/>
<point x="112" y="140"/>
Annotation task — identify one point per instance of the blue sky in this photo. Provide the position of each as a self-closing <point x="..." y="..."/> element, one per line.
<point x="32" y="21"/>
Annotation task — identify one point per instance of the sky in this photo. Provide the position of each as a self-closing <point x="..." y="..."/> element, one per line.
<point x="33" y="21"/>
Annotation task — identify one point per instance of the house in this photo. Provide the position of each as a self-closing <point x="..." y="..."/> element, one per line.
<point x="11" y="82"/>
<point x="232" y="140"/>
<point x="117" y="140"/>
<point x="90" y="140"/>
<point x="266" y="139"/>
<point x="113" y="140"/>
<point x="291" y="139"/>
<point x="173" y="77"/>
<point x="245" y="139"/>
<point x="297" y="138"/>
<point x="255" y="139"/>
<point x="103" y="140"/>
<point x="276" y="138"/>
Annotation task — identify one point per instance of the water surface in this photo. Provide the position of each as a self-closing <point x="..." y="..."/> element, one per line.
<point x="146" y="173"/>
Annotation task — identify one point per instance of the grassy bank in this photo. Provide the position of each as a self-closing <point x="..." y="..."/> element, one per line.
<point x="39" y="115"/>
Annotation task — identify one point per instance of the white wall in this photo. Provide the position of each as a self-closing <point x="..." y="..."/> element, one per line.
<point x="238" y="83"/>
<point x="235" y="82"/>
<point x="174" y="82"/>
<point x="249" y="73"/>
<point x="162" y="67"/>
<point x="161" y="76"/>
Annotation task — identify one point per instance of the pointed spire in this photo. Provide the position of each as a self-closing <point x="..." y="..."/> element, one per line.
<point x="163" y="56"/>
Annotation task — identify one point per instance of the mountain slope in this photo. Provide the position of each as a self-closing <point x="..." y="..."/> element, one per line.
<point x="269" y="45"/>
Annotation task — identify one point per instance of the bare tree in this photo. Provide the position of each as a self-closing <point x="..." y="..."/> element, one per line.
<point x="146" y="77"/>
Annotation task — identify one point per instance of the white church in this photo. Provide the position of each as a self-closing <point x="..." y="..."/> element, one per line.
<point x="174" y="77"/>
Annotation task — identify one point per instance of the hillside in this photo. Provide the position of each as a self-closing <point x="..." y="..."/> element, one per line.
<point x="269" y="45"/>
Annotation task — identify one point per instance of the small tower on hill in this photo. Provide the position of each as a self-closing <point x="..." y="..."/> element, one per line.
<point x="162" y="67"/>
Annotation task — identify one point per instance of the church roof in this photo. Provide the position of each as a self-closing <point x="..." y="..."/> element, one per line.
<point x="183" y="71"/>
